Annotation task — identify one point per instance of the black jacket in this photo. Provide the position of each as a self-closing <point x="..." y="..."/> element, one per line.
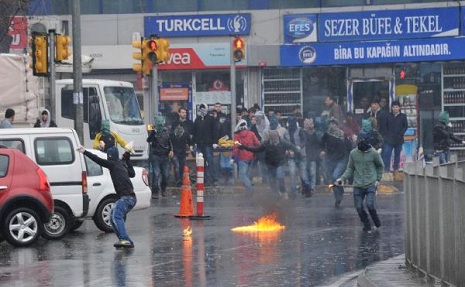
<point x="335" y="148"/>
<point x="204" y="130"/>
<point x="275" y="155"/>
<point x="180" y="143"/>
<point x="120" y="172"/>
<point x="394" y="128"/>
<point x="442" y="137"/>
<point x="312" y="146"/>
<point x="160" y="142"/>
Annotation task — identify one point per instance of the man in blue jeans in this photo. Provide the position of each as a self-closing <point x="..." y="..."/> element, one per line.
<point x="366" y="166"/>
<point x="120" y="171"/>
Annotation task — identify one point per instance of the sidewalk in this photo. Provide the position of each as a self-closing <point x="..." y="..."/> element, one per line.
<point x="393" y="272"/>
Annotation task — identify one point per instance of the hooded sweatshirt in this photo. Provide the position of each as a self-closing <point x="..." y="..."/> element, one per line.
<point x="45" y="124"/>
<point x="365" y="166"/>
<point x="245" y="137"/>
<point x="442" y="135"/>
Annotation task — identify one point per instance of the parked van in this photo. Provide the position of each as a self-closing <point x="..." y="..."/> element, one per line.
<point x="54" y="150"/>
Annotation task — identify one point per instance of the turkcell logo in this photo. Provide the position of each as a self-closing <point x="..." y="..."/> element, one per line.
<point x="307" y="55"/>
<point x="300" y="28"/>
<point x="198" y="25"/>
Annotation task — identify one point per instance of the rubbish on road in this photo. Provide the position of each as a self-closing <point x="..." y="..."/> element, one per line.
<point x="186" y="207"/>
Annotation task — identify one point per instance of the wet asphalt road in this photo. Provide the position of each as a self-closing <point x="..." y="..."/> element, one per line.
<point x="321" y="245"/>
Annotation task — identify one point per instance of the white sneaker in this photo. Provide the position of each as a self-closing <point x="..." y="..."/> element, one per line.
<point x="285" y="195"/>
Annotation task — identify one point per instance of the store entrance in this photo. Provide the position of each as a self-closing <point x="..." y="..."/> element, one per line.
<point x="366" y="85"/>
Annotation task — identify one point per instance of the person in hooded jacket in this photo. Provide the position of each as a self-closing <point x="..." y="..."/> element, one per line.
<point x="120" y="171"/>
<point x="335" y="150"/>
<point x="275" y="150"/>
<point x="295" y="135"/>
<point x="45" y="120"/>
<point x="106" y="139"/>
<point x="366" y="167"/>
<point x="244" y="158"/>
<point x="161" y="151"/>
<point x="442" y="138"/>
<point x="369" y="127"/>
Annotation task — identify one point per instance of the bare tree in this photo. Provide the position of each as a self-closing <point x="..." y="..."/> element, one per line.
<point x="8" y="9"/>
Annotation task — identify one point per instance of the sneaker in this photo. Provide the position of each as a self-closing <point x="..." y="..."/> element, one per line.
<point x="163" y="193"/>
<point x="285" y="195"/>
<point x="124" y="243"/>
<point x="377" y="223"/>
<point x="367" y="229"/>
<point x="155" y="195"/>
<point x="337" y="203"/>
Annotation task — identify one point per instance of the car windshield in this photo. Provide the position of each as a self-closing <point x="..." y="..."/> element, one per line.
<point x="123" y="106"/>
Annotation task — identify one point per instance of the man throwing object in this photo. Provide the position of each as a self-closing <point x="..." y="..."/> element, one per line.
<point x="366" y="166"/>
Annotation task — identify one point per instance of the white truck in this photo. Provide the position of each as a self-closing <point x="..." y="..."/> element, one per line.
<point x="102" y="99"/>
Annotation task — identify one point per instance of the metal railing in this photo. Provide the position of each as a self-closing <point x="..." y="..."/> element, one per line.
<point x="435" y="220"/>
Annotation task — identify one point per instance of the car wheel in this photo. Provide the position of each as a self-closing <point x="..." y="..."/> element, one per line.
<point x="22" y="227"/>
<point x="76" y="224"/>
<point x="103" y="214"/>
<point x="59" y="224"/>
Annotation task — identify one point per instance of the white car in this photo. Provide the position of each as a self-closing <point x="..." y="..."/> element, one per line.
<point x="102" y="194"/>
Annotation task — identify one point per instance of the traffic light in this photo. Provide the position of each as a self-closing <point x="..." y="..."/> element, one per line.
<point x="61" y="47"/>
<point x="39" y="54"/>
<point x="402" y="74"/>
<point x="238" y="49"/>
<point x="150" y="51"/>
<point x="138" y="67"/>
<point x="163" y="51"/>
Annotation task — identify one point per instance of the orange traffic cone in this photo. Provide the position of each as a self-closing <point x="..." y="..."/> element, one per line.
<point x="186" y="207"/>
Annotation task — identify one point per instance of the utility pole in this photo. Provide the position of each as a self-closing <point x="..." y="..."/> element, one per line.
<point x="233" y="86"/>
<point x="77" y="71"/>
<point x="51" y="36"/>
<point x="155" y="96"/>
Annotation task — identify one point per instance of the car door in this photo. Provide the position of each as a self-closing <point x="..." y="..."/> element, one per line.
<point x="98" y="181"/>
<point x="5" y="176"/>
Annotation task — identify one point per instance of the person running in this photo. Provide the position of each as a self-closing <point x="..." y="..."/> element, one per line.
<point x="244" y="158"/>
<point x="275" y="150"/>
<point x="120" y="171"/>
<point x="366" y="166"/>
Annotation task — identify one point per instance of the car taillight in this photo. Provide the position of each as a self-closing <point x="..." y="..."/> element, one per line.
<point x="145" y="177"/>
<point x="84" y="182"/>
<point x="44" y="185"/>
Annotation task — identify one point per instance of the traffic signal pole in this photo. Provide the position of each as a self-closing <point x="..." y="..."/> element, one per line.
<point x="233" y="88"/>
<point x="77" y="71"/>
<point x="154" y="100"/>
<point x="51" y="36"/>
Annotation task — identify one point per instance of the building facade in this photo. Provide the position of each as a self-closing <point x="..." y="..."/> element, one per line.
<point x="297" y="52"/>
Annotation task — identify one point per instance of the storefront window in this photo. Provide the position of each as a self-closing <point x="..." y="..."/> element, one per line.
<point x="215" y="5"/>
<point x="320" y="82"/>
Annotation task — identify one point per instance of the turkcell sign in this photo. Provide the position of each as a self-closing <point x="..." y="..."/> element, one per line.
<point x="388" y="24"/>
<point x="300" y="28"/>
<point x="355" y="53"/>
<point x="198" y="25"/>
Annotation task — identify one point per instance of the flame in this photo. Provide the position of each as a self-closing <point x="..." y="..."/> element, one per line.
<point x="264" y="224"/>
<point x="187" y="231"/>
<point x="331" y="185"/>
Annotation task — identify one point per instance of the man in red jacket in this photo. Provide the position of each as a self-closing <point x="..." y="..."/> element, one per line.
<point x="244" y="158"/>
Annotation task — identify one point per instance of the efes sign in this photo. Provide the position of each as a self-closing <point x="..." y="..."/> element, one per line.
<point x="300" y="28"/>
<point x="198" y="25"/>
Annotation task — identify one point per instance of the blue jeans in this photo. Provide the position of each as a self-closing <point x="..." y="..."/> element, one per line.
<point x="444" y="156"/>
<point x="211" y="173"/>
<point x="387" y="153"/>
<point x="244" y="166"/>
<point x="118" y="215"/>
<point x="370" y="194"/>
<point x="276" y="177"/>
<point x="311" y="173"/>
<point x="179" y="161"/>
<point x="335" y="168"/>
<point x="301" y="164"/>
<point x="160" y="169"/>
